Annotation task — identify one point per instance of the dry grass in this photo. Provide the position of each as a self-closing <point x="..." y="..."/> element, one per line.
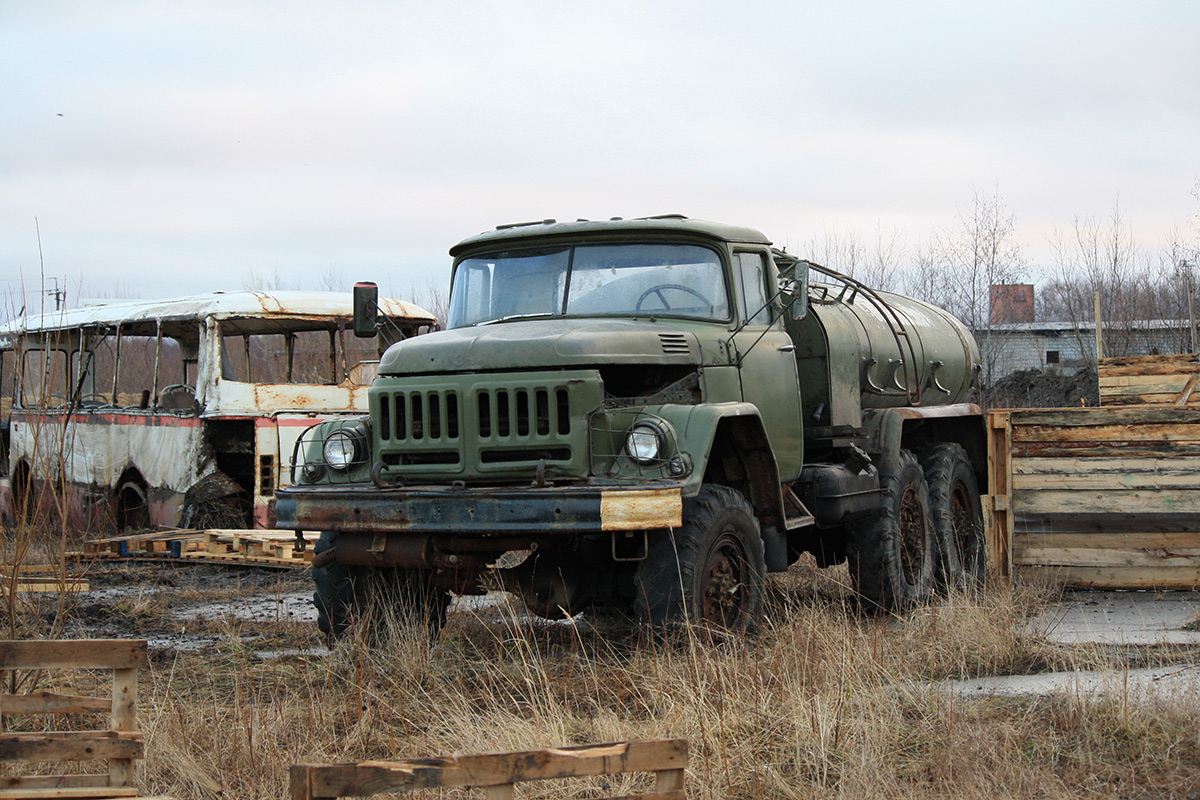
<point x="822" y="702"/>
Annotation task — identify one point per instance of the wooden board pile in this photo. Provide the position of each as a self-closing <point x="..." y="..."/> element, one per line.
<point x="250" y="547"/>
<point x="1098" y="497"/>
<point x="1150" y="380"/>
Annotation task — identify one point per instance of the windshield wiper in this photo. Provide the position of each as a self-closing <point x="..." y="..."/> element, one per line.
<point x="516" y="316"/>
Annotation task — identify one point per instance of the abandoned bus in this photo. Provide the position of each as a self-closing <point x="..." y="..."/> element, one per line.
<point x="179" y="412"/>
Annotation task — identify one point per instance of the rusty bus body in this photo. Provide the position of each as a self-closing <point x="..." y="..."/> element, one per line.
<point x="179" y="413"/>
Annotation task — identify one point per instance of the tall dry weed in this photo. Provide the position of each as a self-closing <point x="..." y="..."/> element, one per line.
<point x="822" y="703"/>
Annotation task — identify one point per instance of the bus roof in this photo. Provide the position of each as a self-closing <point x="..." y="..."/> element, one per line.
<point x="277" y="305"/>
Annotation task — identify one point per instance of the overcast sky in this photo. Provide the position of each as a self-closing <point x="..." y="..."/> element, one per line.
<point x="175" y="147"/>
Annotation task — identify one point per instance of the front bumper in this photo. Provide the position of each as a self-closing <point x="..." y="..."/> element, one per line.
<point x="463" y="511"/>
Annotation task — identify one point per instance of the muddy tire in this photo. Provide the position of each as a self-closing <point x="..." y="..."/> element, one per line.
<point x="957" y="516"/>
<point x="711" y="572"/>
<point x="334" y="592"/>
<point x="344" y="595"/>
<point x="133" y="506"/>
<point x="892" y="555"/>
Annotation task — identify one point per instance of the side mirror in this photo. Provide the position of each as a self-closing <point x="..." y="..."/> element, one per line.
<point x="794" y="294"/>
<point x="366" y="309"/>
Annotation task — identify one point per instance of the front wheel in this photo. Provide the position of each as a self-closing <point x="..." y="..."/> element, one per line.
<point x="344" y="595"/>
<point x="711" y="572"/>
<point x="891" y="556"/>
<point x="334" y="592"/>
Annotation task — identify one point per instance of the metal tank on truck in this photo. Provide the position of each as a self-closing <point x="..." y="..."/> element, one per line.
<point x="652" y="414"/>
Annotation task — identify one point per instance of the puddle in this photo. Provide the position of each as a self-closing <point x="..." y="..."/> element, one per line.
<point x="1131" y="618"/>
<point x="296" y="606"/>
<point x="1176" y="680"/>
<point x="286" y="652"/>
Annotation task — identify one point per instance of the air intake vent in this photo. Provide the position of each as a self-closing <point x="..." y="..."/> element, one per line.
<point x="674" y="343"/>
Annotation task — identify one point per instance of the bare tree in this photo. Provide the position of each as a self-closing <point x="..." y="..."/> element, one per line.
<point x="266" y="281"/>
<point x="1137" y="296"/>
<point x="980" y="252"/>
<point x="433" y="297"/>
<point x="876" y="263"/>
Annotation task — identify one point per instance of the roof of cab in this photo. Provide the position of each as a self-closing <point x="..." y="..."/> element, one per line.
<point x="667" y="223"/>
<point x="221" y="305"/>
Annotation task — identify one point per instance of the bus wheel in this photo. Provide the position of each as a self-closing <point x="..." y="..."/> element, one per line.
<point x="133" y="507"/>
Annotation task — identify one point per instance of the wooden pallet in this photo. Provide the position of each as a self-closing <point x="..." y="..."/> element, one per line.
<point x="232" y="546"/>
<point x="1170" y="380"/>
<point x="497" y="773"/>
<point x="120" y="743"/>
<point x="42" y="578"/>
<point x="1098" y="497"/>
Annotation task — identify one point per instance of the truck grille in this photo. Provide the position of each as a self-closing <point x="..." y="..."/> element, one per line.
<point x="415" y="416"/>
<point x="486" y="424"/>
<point x="520" y="412"/>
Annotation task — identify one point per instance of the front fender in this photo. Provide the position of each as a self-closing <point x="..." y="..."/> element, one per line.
<point x="727" y="443"/>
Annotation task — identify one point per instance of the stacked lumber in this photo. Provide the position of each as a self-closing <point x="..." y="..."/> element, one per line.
<point x="1150" y="380"/>
<point x="1098" y="497"/>
<point x="233" y="546"/>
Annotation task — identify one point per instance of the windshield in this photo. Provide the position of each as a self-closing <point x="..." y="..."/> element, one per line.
<point x="590" y="280"/>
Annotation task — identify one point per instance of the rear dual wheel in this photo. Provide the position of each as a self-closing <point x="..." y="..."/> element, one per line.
<point x="892" y="556"/>
<point x="957" y="516"/>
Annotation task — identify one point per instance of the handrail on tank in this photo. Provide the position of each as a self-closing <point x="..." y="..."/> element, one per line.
<point x="894" y="322"/>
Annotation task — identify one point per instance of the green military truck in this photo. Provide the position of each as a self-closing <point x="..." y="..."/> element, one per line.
<point x="650" y="414"/>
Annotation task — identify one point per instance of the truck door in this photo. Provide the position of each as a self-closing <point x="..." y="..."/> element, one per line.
<point x="768" y="361"/>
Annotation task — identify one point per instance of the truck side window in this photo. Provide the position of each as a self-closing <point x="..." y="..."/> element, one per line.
<point x="751" y="269"/>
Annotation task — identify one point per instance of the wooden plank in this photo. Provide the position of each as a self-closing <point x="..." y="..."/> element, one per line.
<point x="1102" y="521"/>
<point x="1169" y="501"/>
<point x="46" y="702"/>
<point x="124" y="719"/>
<point x="1151" y="399"/>
<point x="1113" y="377"/>
<point x="1142" y="448"/>
<point x="1073" y="466"/>
<point x="1084" y="479"/>
<point x="95" y="793"/>
<point x="45" y="586"/>
<point x="999" y="522"/>
<point x="1143" y="384"/>
<point x="1181" y="578"/>
<point x="1024" y="554"/>
<point x="69" y="746"/>
<point x="1107" y="433"/>
<point x="1092" y="417"/>
<point x="494" y="769"/>
<point x="73" y="654"/>
<point x="76" y="780"/>
<point x="1183" y="542"/>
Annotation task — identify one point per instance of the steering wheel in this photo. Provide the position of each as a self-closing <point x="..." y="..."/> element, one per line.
<point x="658" y="290"/>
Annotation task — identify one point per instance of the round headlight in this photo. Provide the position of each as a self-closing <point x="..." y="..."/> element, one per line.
<point x="644" y="442"/>
<point x="341" y="449"/>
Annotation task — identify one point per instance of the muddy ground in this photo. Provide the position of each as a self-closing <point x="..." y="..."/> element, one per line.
<point x="191" y="607"/>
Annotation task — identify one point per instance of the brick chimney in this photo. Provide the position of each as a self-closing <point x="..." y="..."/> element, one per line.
<point x="1011" y="303"/>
